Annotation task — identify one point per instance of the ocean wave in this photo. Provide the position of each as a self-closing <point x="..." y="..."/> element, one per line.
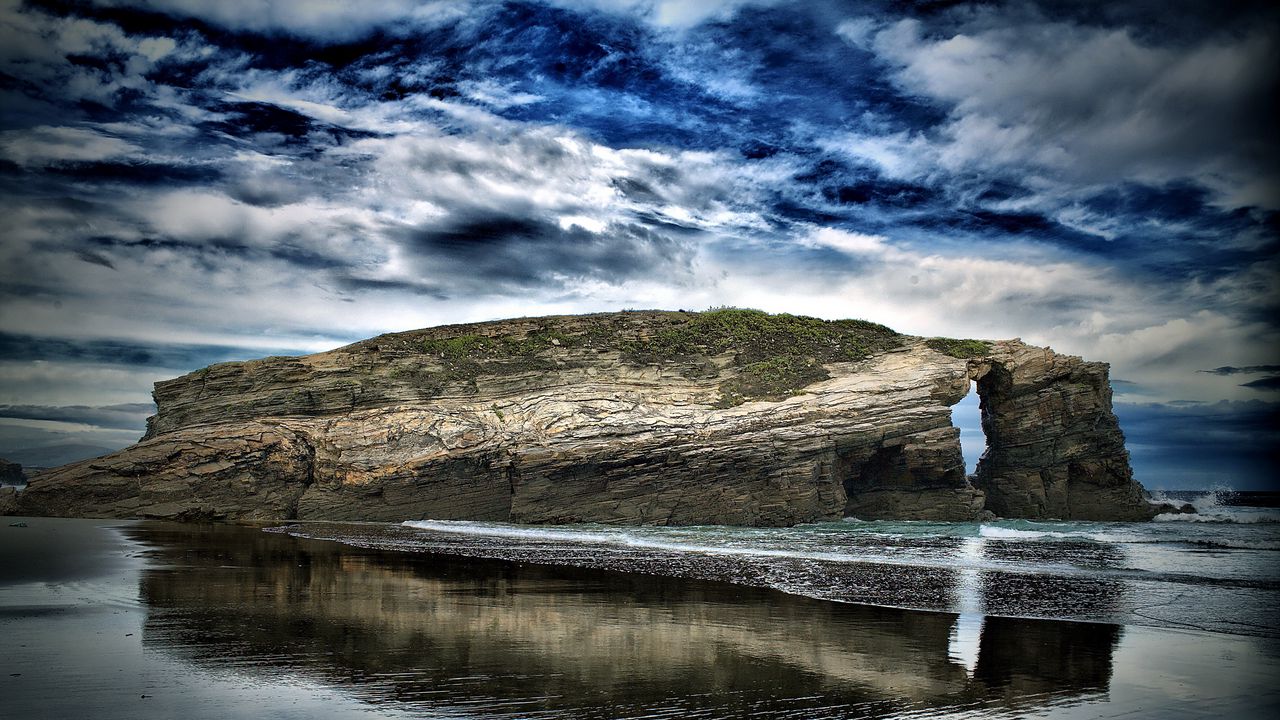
<point x="995" y="532"/>
<point x="999" y="533"/>
<point x="620" y="539"/>
<point x="1244" y="518"/>
<point x="627" y="542"/>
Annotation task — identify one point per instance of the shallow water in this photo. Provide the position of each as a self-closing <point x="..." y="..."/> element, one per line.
<point x="1183" y="571"/>
<point x="161" y="620"/>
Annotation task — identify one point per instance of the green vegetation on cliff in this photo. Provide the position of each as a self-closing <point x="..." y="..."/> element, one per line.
<point x="753" y="354"/>
<point x="466" y="356"/>
<point x="962" y="349"/>
<point x="756" y="336"/>
<point x="761" y="356"/>
<point x="776" y="355"/>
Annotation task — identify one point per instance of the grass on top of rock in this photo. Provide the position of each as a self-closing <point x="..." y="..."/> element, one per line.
<point x="484" y="347"/>
<point x="466" y="356"/>
<point x="756" y="336"/>
<point x="775" y="356"/>
<point x="963" y="349"/>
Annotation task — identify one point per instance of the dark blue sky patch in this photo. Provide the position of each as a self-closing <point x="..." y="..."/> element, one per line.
<point x="808" y="74"/>
<point x="787" y="211"/>
<point x="1246" y="370"/>
<point x="250" y="118"/>
<point x="1236" y="444"/>
<point x="96" y="259"/>
<point x="307" y="258"/>
<point x="474" y="236"/>
<point x="133" y="20"/>
<point x="900" y="195"/>
<point x="138" y="173"/>
<point x="488" y="250"/>
<point x="26" y="348"/>
<point x="360" y="285"/>
<point x="1152" y="21"/>
<point x="995" y="227"/>
<point x="1271" y="383"/>
<point x="1174" y="202"/>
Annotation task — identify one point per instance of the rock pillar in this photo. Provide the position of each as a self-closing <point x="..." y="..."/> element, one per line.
<point x="1054" y="446"/>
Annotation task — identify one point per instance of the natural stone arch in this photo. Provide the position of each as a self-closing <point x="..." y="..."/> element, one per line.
<point x="1054" y="446"/>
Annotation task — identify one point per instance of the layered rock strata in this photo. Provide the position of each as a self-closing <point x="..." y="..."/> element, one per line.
<point x="731" y="417"/>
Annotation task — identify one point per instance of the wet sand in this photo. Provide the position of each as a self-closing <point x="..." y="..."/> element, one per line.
<point x="150" y="620"/>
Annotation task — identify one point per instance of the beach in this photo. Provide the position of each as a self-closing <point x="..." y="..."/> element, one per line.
<point x="142" y="619"/>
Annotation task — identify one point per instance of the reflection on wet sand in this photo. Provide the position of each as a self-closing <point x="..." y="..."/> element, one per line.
<point x="1057" y="594"/>
<point x="501" y="638"/>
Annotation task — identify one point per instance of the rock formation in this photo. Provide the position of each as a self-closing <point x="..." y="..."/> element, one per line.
<point x="728" y="416"/>
<point x="11" y="473"/>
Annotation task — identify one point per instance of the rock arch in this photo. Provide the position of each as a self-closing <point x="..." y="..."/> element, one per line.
<point x="1054" y="446"/>
<point x="587" y="435"/>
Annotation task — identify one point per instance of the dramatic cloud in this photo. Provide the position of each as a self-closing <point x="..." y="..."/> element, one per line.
<point x="1092" y="104"/>
<point x="1250" y="370"/>
<point x="188" y="182"/>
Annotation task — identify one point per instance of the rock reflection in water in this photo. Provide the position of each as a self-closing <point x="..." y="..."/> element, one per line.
<point x="501" y="638"/>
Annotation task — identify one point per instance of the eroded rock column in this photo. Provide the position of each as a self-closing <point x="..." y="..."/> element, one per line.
<point x="1054" y="446"/>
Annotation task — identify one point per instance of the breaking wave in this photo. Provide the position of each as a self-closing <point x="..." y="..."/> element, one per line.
<point x="995" y="532"/>
<point x="1233" y="515"/>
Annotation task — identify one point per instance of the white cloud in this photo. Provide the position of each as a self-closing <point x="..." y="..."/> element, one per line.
<point x="1091" y="105"/>
<point x="858" y="31"/>
<point x="846" y="242"/>
<point x="901" y="155"/>
<point x="48" y="144"/>
<point x="675" y="14"/>
<point x="38" y="48"/>
<point x="496" y="95"/>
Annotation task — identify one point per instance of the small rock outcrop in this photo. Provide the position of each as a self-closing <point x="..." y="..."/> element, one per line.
<point x="729" y="416"/>
<point x="11" y="473"/>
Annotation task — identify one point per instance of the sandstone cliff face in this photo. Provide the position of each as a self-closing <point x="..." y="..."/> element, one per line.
<point x="731" y="417"/>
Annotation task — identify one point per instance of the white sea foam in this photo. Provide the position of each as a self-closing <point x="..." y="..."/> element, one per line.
<point x="626" y="540"/>
<point x="999" y="533"/>
<point x="621" y="539"/>
<point x="1222" y="516"/>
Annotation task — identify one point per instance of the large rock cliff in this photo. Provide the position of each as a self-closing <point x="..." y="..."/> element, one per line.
<point x="728" y="416"/>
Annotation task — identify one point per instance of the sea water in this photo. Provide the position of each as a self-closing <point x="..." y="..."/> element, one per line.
<point x="438" y="619"/>
<point x="1217" y="569"/>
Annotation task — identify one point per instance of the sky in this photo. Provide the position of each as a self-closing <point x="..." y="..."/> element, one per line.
<point x="186" y="182"/>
